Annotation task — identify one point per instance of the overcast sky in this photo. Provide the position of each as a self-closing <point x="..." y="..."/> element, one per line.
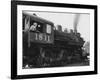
<point x="67" y="21"/>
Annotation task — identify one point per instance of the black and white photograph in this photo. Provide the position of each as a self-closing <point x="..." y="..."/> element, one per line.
<point x="53" y="39"/>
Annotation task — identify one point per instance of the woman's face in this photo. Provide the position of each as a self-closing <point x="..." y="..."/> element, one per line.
<point x="35" y="24"/>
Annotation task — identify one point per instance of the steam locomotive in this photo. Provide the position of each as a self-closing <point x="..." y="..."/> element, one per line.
<point x="46" y="46"/>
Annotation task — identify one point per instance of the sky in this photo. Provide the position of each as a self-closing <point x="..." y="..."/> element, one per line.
<point x="67" y="21"/>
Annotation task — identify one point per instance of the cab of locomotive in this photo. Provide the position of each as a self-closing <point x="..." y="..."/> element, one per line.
<point x="39" y="30"/>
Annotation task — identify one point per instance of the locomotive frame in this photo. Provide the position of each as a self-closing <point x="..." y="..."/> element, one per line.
<point x="14" y="42"/>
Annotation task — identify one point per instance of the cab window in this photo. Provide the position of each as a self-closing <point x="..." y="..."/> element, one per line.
<point x="26" y="23"/>
<point x="36" y="26"/>
<point x="48" y="28"/>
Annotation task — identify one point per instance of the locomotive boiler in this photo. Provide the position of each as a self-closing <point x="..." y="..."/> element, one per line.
<point x="46" y="46"/>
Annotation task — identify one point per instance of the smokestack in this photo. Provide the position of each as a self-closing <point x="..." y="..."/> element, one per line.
<point x="76" y="22"/>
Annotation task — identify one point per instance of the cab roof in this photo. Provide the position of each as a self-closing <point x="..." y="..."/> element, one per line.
<point x="37" y="18"/>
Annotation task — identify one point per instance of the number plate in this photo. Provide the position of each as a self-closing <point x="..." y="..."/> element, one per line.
<point x="41" y="37"/>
